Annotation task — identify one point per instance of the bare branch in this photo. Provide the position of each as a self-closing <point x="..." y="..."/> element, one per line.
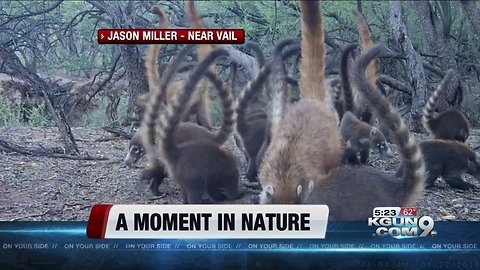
<point x="30" y="14"/>
<point x="385" y="79"/>
<point x="104" y="82"/>
<point x="82" y="16"/>
<point x="41" y="151"/>
<point x="237" y="10"/>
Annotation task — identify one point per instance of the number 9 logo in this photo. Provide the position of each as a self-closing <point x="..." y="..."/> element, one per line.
<point x="426" y="224"/>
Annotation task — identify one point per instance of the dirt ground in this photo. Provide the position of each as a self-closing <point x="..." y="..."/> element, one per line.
<point x="41" y="188"/>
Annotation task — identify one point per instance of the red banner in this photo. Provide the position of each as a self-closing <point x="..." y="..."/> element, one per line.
<point x="171" y="36"/>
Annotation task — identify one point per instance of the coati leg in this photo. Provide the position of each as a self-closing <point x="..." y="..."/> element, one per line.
<point x="184" y="196"/>
<point x="364" y="155"/>
<point x="263" y="149"/>
<point x="455" y="180"/>
<point x="431" y="178"/>
<point x="193" y="195"/>
<point x="156" y="176"/>
<point x="399" y="171"/>
<point x="238" y="143"/>
<point x="154" y="184"/>
<point x="132" y="127"/>
<point x="252" y="170"/>
<point x="350" y="156"/>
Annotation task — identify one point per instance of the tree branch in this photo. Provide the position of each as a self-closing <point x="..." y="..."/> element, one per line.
<point x="385" y="79"/>
<point x="237" y="10"/>
<point x="53" y="153"/>
<point x="104" y="82"/>
<point x="55" y="5"/>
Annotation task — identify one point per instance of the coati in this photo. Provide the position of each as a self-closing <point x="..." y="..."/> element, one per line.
<point x="199" y="105"/>
<point x="449" y="159"/>
<point x="252" y="119"/>
<point x="202" y="107"/>
<point x="290" y="51"/>
<point x="183" y="133"/>
<point x="344" y="77"/>
<point x="351" y="192"/>
<point x="450" y="124"/>
<point x="251" y="129"/>
<point x="172" y="89"/>
<point x="334" y="86"/>
<point x="293" y="50"/>
<point x="152" y="50"/>
<point x="362" y="137"/>
<point x="355" y="102"/>
<point x="366" y="43"/>
<point x="305" y="143"/>
<point x="361" y="134"/>
<point x="281" y="83"/>
<point x="198" y="166"/>
<point x="363" y="108"/>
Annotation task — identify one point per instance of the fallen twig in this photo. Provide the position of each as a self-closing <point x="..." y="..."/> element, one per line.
<point x="41" y="151"/>
<point x="118" y="132"/>
<point x="107" y="139"/>
<point x="31" y="216"/>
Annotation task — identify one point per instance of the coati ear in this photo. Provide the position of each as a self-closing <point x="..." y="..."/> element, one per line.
<point x="311" y="186"/>
<point x="305" y="195"/>
<point x="266" y="196"/>
<point x="269" y="191"/>
<point x="389" y="152"/>
<point x="373" y="132"/>
<point x="348" y="144"/>
<point x="299" y="190"/>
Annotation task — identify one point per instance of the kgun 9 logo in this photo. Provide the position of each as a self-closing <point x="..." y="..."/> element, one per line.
<point x="400" y="222"/>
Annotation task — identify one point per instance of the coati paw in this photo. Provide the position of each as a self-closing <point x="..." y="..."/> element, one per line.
<point x="462" y="186"/>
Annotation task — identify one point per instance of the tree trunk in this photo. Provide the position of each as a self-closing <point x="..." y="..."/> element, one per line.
<point x="415" y="71"/>
<point x="470" y="8"/>
<point x="437" y="41"/>
<point x="137" y="82"/>
<point x="245" y="60"/>
<point x="132" y="56"/>
<point x="14" y="64"/>
<point x="111" y="110"/>
<point x="359" y="6"/>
